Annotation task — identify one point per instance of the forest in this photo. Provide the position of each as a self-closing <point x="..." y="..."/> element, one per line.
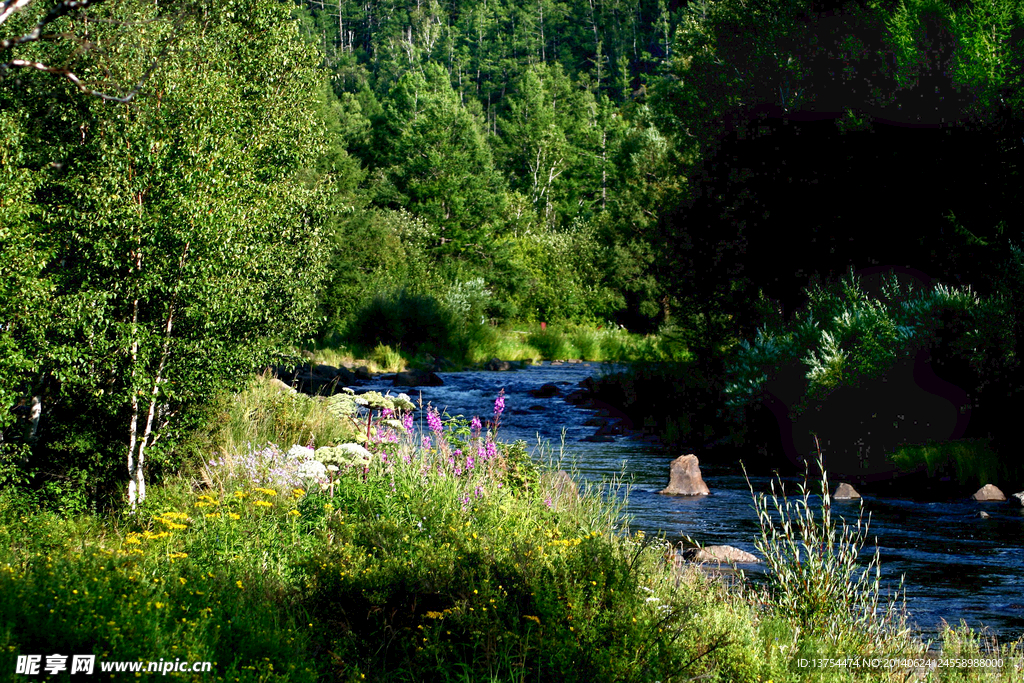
<point x="808" y="197"/>
<point x="810" y="209"/>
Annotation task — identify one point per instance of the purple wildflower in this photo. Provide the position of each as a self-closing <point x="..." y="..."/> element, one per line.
<point x="458" y="471"/>
<point x="407" y="422"/>
<point x="475" y="424"/>
<point x="499" y="406"/>
<point x="387" y="413"/>
<point x="470" y="462"/>
<point x="434" y="421"/>
<point x="426" y="442"/>
<point x="547" y="501"/>
<point x="492" y="450"/>
<point x="479" y="491"/>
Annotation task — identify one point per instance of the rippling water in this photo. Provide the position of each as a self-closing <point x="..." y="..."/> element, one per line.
<point x="957" y="566"/>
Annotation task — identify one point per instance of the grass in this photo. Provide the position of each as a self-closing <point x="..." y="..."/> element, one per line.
<point x="968" y="462"/>
<point x="512" y="343"/>
<point x="422" y="566"/>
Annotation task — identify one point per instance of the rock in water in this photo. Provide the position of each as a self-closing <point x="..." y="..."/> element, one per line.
<point x="988" y="492"/>
<point x="720" y="554"/>
<point x="1018" y="498"/>
<point x="845" y="492"/>
<point x="685" y="479"/>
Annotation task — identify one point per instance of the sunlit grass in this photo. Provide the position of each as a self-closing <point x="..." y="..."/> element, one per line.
<point x="471" y="560"/>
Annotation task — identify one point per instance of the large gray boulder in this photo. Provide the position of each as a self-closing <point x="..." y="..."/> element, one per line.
<point x="721" y="554"/>
<point x="845" y="492"/>
<point x="496" y="365"/>
<point x="988" y="493"/>
<point x="685" y="479"/>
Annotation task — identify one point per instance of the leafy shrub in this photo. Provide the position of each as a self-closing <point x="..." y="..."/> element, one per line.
<point x="407" y="321"/>
<point x="552" y="344"/>
<point x="845" y="337"/>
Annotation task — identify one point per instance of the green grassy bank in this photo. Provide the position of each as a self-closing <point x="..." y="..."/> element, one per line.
<point x="447" y="556"/>
<point x="473" y="346"/>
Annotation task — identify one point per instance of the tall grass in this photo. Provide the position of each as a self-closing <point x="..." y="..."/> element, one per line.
<point x="816" y="578"/>
<point x="262" y="413"/>
<point x="970" y="462"/>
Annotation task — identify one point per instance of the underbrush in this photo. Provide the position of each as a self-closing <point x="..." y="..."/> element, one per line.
<point x="968" y="462"/>
<point x="447" y="556"/>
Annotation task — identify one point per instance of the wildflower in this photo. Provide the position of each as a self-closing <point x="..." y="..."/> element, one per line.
<point x="479" y="491"/>
<point x="387" y="413"/>
<point x="179" y="556"/>
<point x="499" y="407"/>
<point x="241" y="494"/>
<point x="434" y="421"/>
<point x="212" y="514"/>
<point x="239" y="584"/>
<point x="132" y="540"/>
<point x="294" y="513"/>
<point x="532" y="617"/>
<point x="492" y="450"/>
<point x="269" y="492"/>
<point x="434" y="615"/>
<point x="264" y="503"/>
<point x="458" y="471"/>
<point x="470" y="462"/>
<point x="547" y="501"/>
<point x="297" y="493"/>
<point x="475" y="424"/>
<point x="426" y="442"/>
<point x="232" y="515"/>
<point x="407" y="422"/>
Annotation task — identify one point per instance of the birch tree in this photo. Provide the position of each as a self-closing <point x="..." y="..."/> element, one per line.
<point x="186" y="233"/>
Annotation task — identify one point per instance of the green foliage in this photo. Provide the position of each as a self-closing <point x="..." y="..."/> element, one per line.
<point x="844" y="336"/>
<point x="263" y="413"/>
<point x="968" y="462"/>
<point x="434" y="160"/>
<point x="815" y="578"/>
<point x="184" y="228"/>
<point x="401" y="319"/>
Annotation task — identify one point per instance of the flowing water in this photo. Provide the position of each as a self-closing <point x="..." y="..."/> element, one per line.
<point x="957" y="566"/>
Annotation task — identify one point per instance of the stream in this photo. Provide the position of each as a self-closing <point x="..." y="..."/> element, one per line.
<point x="956" y="565"/>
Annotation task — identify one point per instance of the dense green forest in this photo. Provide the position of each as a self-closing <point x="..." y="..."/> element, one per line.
<point x="188" y="190"/>
<point x="806" y="213"/>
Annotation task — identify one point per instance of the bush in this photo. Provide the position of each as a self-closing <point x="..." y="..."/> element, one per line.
<point x="407" y="321"/>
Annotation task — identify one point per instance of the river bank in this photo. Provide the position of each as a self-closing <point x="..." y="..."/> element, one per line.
<point x="917" y="538"/>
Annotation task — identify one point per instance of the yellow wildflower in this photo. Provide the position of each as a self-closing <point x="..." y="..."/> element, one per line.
<point x="213" y="514"/>
<point x="298" y="492"/>
<point x="435" y="615"/>
<point x="132" y="539"/>
<point x="232" y="515"/>
<point x="238" y="583"/>
<point x="269" y="492"/>
<point x="263" y="503"/>
<point x="178" y="556"/>
<point x="294" y="513"/>
<point x="241" y="494"/>
<point x="172" y="515"/>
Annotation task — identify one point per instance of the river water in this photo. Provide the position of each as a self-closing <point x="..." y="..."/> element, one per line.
<point x="956" y="565"/>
